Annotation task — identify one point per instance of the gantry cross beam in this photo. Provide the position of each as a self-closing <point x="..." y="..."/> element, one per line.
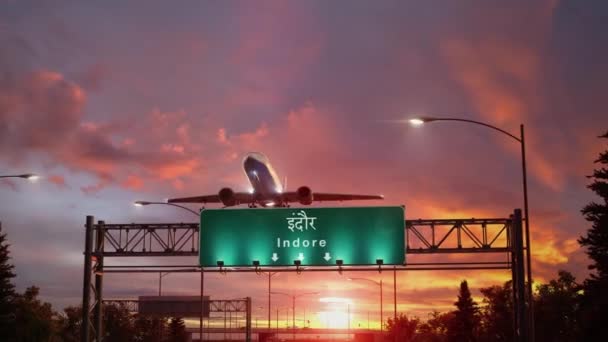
<point x="423" y="236"/>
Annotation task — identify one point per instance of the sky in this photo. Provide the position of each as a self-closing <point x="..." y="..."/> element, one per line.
<point x="113" y="102"/>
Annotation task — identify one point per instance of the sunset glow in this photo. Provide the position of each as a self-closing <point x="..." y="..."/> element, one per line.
<point x="152" y="101"/>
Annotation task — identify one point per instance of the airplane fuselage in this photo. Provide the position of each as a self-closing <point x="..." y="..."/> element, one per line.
<point x="263" y="179"/>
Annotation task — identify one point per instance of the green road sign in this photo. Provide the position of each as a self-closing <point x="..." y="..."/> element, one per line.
<point x="315" y="236"/>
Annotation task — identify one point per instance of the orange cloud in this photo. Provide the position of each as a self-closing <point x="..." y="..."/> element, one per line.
<point x="57" y="180"/>
<point x="133" y="182"/>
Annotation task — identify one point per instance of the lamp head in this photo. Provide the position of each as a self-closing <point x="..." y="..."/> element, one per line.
<point x="256" y="263"/>
<point x="220" y="263"/>
<point x="418" y="121"/>
<point x="297" y="262"/>
<point x="29" y="176"/>
<point x="140" y="203"/>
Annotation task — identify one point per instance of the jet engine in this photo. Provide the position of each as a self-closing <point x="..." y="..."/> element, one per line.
<point x="304" y="195"/>
<point x="227" y="197"/>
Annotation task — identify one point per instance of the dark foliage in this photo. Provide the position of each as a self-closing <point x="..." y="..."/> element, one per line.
<point x="465" y="324"/>
<point x="556" y="309"/>
<point x="149" y="329"/>
<point x="177" y="330"/>
<point x="34" y="320"/>
<point x="435" y="329"/>
<point x="70" y="323"/>
<point x="497" y="314"/>
<point x="594" y="308"/>
<point x="402" y="328"/>
<point x="7" y="290"/>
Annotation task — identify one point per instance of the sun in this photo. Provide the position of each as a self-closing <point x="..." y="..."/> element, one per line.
<point x="336" y="311"/>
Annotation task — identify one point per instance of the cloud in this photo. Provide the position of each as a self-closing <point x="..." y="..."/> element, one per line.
<point x="57" y="180"/>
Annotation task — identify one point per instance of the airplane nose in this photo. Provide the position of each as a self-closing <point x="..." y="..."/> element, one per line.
<point x="248" y="162"/>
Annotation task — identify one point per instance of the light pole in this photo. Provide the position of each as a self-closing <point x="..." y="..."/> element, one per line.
<point x="379" y="283"/>
<point x="521" y="140"/>
<point x="28" y="176"/>
<point x="160" y="281"/>
<point x="293" y="307"/>
<point x="270" y="275"/>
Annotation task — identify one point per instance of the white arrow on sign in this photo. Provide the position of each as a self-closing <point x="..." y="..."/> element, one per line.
<point x="301" y="256"/>
<point x="327" y="256"/>
<point x="274" y="257"/>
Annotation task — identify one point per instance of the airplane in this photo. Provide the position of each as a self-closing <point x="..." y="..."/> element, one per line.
<point x="267" y="190"/>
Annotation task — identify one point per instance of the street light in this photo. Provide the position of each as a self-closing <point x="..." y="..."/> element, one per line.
<point x="379" y="283"/>
<point x="419" y="121"/>
<point x="270" y="275"/>
<point x="293" y="312"/>
<point x="142" y="203"/>
<point x="160" y="281"/>
<point x="28" y="176"/>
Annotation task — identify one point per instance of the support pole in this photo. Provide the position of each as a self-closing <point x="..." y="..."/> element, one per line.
<point x="277" y="321"/>
<point x="520" y="287"/>
<point x="293" y="317"/>
<point x="511" y="239"/>
<point x="527" y="236"/>
<point x="99" y="247"/>
<point x="248" y="322"/>
<point x="395" y="294"/>
<point x="200" y="328"/>
<point x="269" y="276"/>
<point x="86" y="284"/>
<point x="381" y="313"/>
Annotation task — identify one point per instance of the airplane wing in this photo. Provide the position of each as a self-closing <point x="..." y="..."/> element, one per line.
<point x="240" y="197"/>
<point x="324" y="197"/>
<point x="196" y="199"/>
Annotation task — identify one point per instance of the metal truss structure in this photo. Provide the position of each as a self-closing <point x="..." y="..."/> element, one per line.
<point x="447" y="237"/>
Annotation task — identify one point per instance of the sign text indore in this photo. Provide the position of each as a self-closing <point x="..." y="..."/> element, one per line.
<point x="315" y="236"/>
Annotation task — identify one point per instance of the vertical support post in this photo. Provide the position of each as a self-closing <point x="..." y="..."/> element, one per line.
<point x="511" y="243"/>
<point x="277" y="321"/>
<point x="528" y="246"/>
<point x="269" y="280"/>
<point x="520" y="285"/>
<point x="200" y="328"/>
<point x="99" y="248"/>
<point x="293" y="317"/>
<point x="248" y="322"/>
<point x="86" y="284"/>
<point x="381" y="313"/>
<point x="395" y="293"/>
<point x="225" y="321"/>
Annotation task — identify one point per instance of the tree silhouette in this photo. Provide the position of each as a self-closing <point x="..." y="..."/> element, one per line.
<point x="556" y="309"/>
<point x="177" y="330"/>
<point x="402" y="328"/>
<point x="595" y="299"/>
<point x="34" y="320"/>
<point x="497" y="314"/>
<point x="435" y="329"/>
<point x="70" y="324"/>
<point x="149" y="328"/>
<point x="118" y="323"/>
<point x="7" y="290"/>
<point x="464" y="325"/>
